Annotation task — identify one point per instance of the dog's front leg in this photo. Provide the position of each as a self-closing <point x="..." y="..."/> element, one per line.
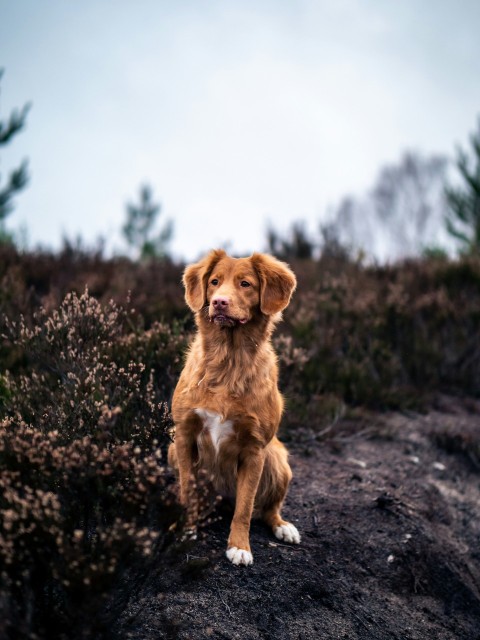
<point x="248" y="478"/>
<point x="186" y="456"/>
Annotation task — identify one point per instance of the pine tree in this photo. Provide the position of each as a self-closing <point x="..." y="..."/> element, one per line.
<point x="18" y="178"/>
<point x="140" y="226"/>
<point x="295" y="245"/>
<point x="463" y="217"/>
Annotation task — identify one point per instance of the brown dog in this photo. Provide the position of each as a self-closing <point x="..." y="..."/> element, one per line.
<point x="227" y="406"/>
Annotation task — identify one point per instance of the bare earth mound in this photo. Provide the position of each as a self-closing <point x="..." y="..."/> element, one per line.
<point x="389" y="513"/>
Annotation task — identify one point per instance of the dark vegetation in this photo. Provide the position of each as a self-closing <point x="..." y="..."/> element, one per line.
<point x="90" y="351"/>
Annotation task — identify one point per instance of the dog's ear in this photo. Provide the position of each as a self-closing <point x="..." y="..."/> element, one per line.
<point x="195" y="279"/>
<point x="277" y="283"/>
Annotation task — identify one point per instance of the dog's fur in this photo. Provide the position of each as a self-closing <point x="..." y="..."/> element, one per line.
<point x="226" y="406"/>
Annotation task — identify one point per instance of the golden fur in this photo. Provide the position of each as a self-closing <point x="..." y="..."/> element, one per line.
<point x="226" y="406"/>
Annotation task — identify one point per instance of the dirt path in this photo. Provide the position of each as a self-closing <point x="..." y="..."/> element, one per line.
<point x="390" y="525"/>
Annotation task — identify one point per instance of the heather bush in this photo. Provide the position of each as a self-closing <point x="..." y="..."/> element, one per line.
<point x="84" y="492"/>
<point x="381" y="337"/>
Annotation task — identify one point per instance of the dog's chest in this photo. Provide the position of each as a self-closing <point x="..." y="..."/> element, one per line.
<point x="214" y="428"/>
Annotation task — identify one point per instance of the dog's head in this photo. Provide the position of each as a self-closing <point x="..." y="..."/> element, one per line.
<point x="236" y="290"/>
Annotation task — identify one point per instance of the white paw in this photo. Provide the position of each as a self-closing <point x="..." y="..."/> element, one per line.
<point x="288" y="533"/>
<point x="239" y="556"/>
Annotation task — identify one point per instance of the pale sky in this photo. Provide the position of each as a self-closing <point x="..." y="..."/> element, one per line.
<point x="235" y="112"/>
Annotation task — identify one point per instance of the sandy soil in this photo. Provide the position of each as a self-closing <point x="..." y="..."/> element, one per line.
<point x="389" y="511"/>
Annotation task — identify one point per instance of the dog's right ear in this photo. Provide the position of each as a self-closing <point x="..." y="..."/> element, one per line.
<point x="277" y="283"/>
<point x="195" y="279"/>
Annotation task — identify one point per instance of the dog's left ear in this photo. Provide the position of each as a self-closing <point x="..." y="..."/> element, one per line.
<point x="195" y="279"/>
<point x="277" y="283"/>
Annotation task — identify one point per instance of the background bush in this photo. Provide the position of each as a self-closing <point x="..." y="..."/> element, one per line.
<point x="379" y="337"/>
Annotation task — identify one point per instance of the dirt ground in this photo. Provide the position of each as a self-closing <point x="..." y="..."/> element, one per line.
<point x="389" y="511"/>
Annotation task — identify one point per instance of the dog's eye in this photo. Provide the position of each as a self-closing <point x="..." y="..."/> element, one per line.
<point x="244" y="283"/>
<point x="214" y="281"/>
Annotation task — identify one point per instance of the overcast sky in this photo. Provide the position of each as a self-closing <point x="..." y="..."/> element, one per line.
<point x="235" y="112"/>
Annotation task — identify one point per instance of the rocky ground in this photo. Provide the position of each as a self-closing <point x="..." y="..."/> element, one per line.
<point x="389" y="511"/>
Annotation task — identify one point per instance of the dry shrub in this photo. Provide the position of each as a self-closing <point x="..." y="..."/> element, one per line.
<point x="84" y="492"/>
<point x="31" y="280"/>
<point x="381" y="337"/>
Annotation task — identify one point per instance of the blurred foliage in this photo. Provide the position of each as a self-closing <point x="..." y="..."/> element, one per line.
<point x="296" y="244"/>
<point x="400" y="215"/>
<point x="139" y="229"/>
<point x="463" y="218"/>
<point x="378" y="337"/>
<point x="18" y="178"/>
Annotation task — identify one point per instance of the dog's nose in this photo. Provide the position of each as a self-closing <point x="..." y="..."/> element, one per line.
<point x="220" y="302"/>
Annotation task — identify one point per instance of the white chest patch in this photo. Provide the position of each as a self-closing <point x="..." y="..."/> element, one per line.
<point x="213" y="422"/>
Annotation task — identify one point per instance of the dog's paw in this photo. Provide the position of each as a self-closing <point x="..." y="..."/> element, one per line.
<point x="239" y="556"/>
<point x="288" y="533"/>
